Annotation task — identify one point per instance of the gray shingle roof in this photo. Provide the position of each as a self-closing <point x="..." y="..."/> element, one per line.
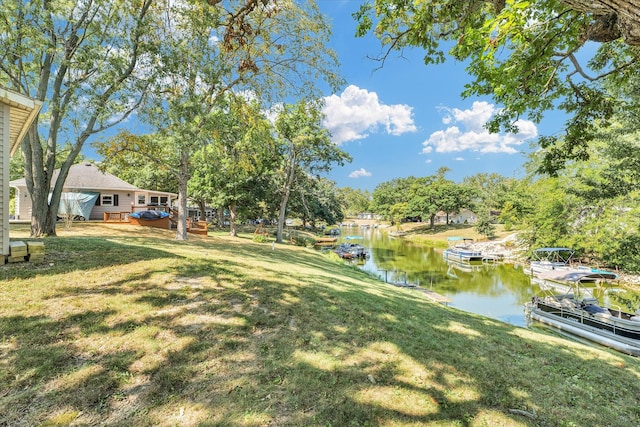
<point x="86" y="176"/>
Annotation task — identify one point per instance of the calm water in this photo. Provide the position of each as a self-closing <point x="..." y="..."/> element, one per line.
<point x="496" y="290"/>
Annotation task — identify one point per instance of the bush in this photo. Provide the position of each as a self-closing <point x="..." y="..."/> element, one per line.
<point x="302" y="241"/>
<point x="261" y="238"/>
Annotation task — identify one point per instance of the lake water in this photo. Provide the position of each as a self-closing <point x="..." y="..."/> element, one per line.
<point x="496" y="290"/>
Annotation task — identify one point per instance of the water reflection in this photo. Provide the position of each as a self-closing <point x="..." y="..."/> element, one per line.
<point x="494" y="290"/>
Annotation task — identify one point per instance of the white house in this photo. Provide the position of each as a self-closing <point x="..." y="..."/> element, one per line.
<point x="17" y="113"/>
<point x="465" y="216"/>
<point x="90" y="193"/>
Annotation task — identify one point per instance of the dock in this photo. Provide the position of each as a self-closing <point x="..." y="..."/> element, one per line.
<point x="326" y="242"/>
<point x="436" y="297"/>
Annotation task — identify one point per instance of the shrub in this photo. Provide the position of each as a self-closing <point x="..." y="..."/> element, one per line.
<point x="261" y="238"/>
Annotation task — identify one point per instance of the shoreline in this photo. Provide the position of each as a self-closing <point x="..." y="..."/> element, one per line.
<point x="505" y="246"/>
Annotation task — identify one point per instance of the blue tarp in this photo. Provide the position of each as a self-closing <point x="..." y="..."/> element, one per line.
<point x="149" y="215"/>
<point x="77" y="204"/>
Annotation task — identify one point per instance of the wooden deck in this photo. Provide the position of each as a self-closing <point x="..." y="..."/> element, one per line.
<point x="198" y="227"/>
<point x="164" y="223"/>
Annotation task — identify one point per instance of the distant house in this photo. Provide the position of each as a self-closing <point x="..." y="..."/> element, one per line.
<point x="89" y="193"/>
<point x="17" y="113"/>
<point x="465" y="216"/>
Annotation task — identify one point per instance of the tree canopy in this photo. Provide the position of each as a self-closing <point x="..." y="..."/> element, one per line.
<point x="531" y="57"/>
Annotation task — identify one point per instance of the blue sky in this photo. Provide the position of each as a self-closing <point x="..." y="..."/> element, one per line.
<point x="408" y="118"/>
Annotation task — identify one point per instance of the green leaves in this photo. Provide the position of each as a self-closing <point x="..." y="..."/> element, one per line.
<point x="532" y="57"/>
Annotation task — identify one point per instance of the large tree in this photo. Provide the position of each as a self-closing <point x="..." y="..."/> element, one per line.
<point x="233" y="171"/>
<point x="315" y="199"/>
<point x="305" y="148"/>
<point x="88" y="63"/>
<point x="530" y="56"/>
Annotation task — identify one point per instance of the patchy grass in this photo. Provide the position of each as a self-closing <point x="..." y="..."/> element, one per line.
<point x="420" y="231"/>
<point x="124" y="326"/>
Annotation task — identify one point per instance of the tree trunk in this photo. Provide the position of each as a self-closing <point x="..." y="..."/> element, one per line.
<point x="183" y="181"/>
<point x="432" y="221"/>
<point x="232" y="219"/>
<point x="290" y="172"/>
<point x="281" y="216"/>
<point x="220" y="215"/>
<point x="38" y="179"/>
<point x="203" y="209"/>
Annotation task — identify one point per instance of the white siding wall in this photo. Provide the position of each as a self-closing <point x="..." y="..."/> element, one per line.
<point x="124" y="204"/>
<point x="4" y="178"/>
<point x="23" y="204"/>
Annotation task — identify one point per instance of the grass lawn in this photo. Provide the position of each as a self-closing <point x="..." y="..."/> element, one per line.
<point x="124" y="326"/>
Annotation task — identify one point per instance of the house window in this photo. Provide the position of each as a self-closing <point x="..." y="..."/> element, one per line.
<point x="164" y="200"/>
<point x="109" y="200"/>
<point x="153" y="200"/>
<point x="141" y="199"/>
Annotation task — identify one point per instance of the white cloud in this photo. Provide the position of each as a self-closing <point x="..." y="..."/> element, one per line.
<point x="465" y="132"/>
<point x="459" y="159"/>
<point x="357" y="112"/>
<point x="359" y="173"/>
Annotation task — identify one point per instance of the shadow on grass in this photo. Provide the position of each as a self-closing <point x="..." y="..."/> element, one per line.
<point x="64" y="255"/>
<point x="235" y="344"/>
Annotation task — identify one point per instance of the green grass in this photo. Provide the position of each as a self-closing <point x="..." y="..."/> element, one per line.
<point x="124" y="326"/>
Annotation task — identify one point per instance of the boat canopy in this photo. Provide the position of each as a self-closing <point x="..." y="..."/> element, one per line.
<point x="562" y="255"/>
<point x="353" y="237"/>
<point x="554" y="250"/>
<point x="577" y="276"/>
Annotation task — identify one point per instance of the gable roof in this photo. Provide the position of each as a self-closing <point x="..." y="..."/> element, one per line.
<point x="23" y="111"/>
<point x="85" y="176"/>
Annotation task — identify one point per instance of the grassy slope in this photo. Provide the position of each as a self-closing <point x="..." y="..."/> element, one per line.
<point x="125" y="326"/>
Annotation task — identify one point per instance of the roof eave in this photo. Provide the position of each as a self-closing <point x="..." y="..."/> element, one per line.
<point x="18" y="101"/>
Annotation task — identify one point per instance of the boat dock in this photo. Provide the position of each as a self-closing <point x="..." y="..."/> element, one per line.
<point x="326" y="241"/>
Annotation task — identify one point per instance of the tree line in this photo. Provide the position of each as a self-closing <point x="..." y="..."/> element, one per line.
<point x="591" y="205"/>
<point x="250" y="168"/>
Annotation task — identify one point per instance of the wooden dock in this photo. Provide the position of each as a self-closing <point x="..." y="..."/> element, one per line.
<point x="326" y="241"/>
<point x="434" y="296"/>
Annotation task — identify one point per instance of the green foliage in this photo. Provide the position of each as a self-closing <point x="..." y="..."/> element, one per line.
<point x="594" y="205"/>
<point x="484" y="225"/>
<point x="314" y="200"/>
<point x="262" y="238"/>
<point x="354" y="201"/>
<point x="388" y="194"/>
<point x="300" y="240"/>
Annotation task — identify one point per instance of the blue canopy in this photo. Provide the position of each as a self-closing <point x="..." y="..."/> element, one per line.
<point x="77" y="203"/>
